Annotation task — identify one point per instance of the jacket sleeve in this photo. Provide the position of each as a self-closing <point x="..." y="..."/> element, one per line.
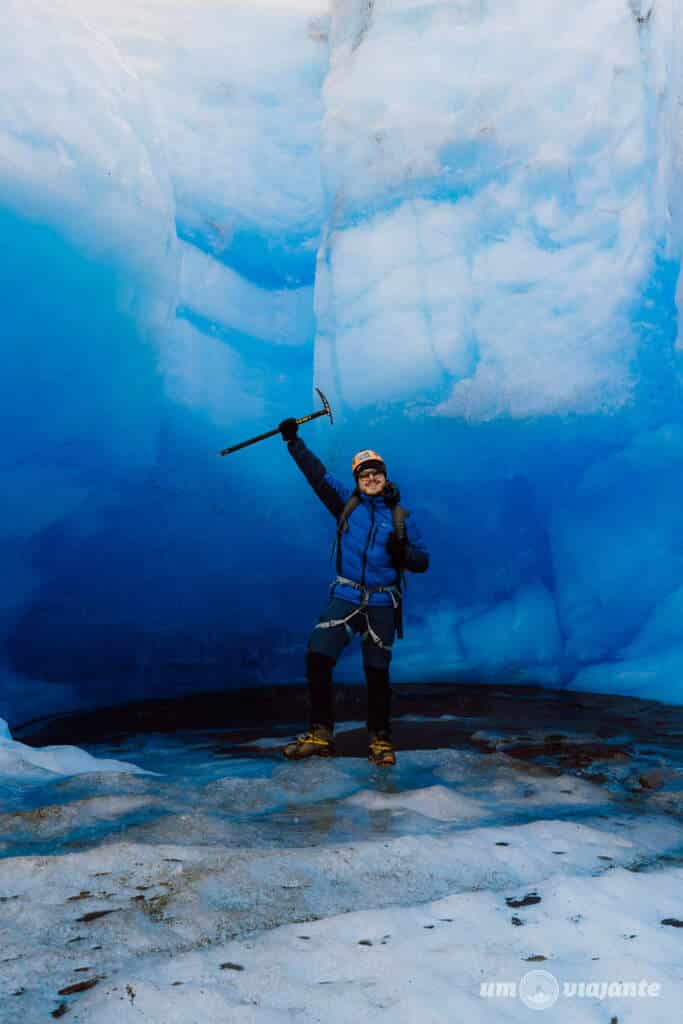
<point x="417" y="556"/>
<point x="331" y="491"/>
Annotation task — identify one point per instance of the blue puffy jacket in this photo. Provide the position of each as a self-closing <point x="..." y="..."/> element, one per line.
<point x="363" y="553"/>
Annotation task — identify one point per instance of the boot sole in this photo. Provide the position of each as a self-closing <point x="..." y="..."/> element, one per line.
<point x="314" y="753"/>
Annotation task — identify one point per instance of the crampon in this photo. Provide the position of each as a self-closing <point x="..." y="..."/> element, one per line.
<point x="381" y="751"/>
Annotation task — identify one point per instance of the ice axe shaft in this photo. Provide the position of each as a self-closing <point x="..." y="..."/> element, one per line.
<point x="325" y="411"/>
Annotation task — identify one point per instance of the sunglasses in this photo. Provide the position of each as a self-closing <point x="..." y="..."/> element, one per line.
<point x="369" y="473"/>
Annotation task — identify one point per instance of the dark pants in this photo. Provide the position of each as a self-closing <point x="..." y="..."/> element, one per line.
<point x="324" y="648"/>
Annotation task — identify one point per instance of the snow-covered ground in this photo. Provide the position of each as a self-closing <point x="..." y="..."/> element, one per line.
<point x="235" y="886"/>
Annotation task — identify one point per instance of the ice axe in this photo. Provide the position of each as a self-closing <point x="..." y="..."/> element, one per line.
<point x="325" y="411"/>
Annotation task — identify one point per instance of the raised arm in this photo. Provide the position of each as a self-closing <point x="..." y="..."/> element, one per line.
<point x="331" y="491"/>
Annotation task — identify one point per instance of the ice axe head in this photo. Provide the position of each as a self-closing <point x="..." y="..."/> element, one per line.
<point x="326" y="405"/>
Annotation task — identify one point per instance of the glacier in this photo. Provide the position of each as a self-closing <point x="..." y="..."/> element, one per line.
<point x="461" y="220"/>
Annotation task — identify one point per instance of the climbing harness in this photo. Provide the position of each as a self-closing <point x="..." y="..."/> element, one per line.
<point x="394" y="592"/>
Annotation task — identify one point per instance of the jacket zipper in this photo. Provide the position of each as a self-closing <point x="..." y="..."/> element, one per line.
<point x="367" y="543"/>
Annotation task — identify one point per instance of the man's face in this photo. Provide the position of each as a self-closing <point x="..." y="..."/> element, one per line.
<point x="371" y="482"/>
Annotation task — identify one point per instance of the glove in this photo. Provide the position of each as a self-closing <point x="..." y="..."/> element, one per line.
<point x="288" y="429"/>
<point x="391" y="494"/>
<point x="396" y="546"/>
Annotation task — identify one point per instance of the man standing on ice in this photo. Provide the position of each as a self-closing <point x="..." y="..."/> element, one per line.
<point x="374" y="547"/>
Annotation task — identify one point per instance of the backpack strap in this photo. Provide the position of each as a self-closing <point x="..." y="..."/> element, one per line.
<point x="399" y="514"/>
<point x="342" y="525"/>
<point x="351" y="504"/>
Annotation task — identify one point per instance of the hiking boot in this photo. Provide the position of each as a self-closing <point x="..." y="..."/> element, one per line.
<point x="381" y="750"/>
<point x="317" y="742"/>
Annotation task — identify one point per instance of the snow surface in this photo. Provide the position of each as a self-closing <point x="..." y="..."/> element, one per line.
<point x="461" y="220"/>
<point x="248" y="888"/>
<point x="21" y="763"/>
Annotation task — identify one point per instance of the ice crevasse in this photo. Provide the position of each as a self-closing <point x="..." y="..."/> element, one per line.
<point x="460" y="219"/>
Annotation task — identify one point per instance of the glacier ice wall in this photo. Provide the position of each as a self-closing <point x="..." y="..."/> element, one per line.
<point x="161" y="200"/>
<point x="460" y="219"/>
<point x="87" y="282"/>
<point x="493" y="192"/>
<point x="498" y="275"/>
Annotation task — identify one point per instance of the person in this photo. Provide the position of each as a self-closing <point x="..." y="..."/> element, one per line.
<point x="375" y="545"/>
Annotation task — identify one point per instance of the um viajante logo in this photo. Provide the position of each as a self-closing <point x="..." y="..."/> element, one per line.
<point x="539" y="990"/>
